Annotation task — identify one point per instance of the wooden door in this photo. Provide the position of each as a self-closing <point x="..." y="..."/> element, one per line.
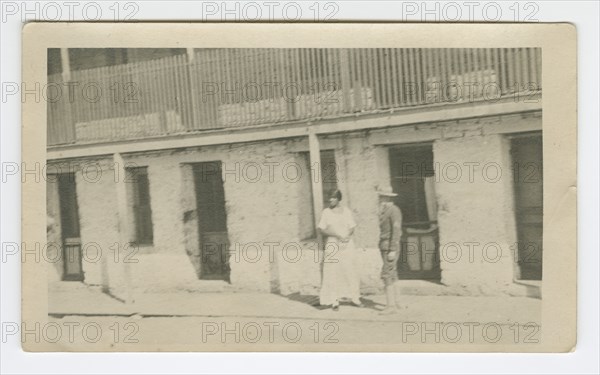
<point x="528" y="184"/>
<point x="212" y="221"/>
<point x="69" y="220"/>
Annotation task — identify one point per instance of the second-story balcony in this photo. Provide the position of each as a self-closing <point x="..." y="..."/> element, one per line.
<point x="233" y="88"/>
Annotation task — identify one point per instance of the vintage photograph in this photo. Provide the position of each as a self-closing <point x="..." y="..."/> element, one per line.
<point x="295" y="198"/>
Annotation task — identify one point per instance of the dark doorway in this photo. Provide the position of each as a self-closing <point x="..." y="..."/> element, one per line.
<point x="69" y="220"/>
<point x="528" y="181"/>
<point x="413" y="179"/>
<point x="212" y="221"/>
<point x="142" y="211"/>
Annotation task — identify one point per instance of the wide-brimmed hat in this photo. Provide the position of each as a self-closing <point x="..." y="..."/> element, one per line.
<point x="386" y="192"/>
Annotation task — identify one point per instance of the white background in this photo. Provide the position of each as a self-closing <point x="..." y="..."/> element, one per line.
<point x="584" y="14"/>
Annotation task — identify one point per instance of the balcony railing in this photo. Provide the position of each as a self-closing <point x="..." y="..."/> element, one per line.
<point x="232" y="88"/>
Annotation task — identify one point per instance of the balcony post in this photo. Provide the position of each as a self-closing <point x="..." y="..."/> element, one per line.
<point x="193" y="97"/>
<point x="65" y="64"/>
<point x="69" y="125"/>
<point x="345" y="78"/>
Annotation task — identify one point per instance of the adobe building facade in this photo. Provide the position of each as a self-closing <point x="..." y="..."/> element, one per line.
<point x="262" y="236"/>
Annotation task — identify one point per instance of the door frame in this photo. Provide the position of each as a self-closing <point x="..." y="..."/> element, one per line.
<point x="519" y="212"/>
<point x="226" y="274"/>
<point x="72" y="240"/>
<point x="435" y="273"/>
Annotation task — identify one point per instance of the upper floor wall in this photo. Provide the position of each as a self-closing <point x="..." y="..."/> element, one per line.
<point x="132" y="94"/>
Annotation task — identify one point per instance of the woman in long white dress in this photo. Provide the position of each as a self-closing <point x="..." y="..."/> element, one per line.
<point x="340" y="276"/>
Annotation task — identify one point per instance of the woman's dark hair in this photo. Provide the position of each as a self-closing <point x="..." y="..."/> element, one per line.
<point x="336" y="194"/>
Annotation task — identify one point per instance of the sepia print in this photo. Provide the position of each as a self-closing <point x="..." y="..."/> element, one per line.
<point x="291" y="194"/>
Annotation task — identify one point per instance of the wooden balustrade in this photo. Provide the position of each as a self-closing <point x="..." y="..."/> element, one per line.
<point x="227" y="88"/>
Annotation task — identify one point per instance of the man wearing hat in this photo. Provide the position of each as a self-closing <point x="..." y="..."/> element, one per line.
<point x="390" y="231"/>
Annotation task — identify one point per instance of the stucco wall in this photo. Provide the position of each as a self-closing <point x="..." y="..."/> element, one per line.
<point x="260" y="210"/>
<point x="269" y="210"/>
<point x="476" y="213"/>
<point x="54" y="245"/>
<point x="358" y="178"/>
<point x="99" y="225"/>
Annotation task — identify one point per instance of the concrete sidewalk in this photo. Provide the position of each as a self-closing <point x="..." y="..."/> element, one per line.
<point x="79" y="299"/>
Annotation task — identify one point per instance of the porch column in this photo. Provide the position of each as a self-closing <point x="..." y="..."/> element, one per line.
<point x="317" y="183"/>
<point x="123" y="215"/>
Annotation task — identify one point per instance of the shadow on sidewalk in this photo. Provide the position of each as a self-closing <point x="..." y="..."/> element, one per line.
<point x="109" y="294"/>
<point x="313" y="301"/>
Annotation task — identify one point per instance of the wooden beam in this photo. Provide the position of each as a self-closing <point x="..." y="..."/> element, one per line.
<point x="408" y="116"/>
<point x="316" y="179"/>
<point x="123" y="214"/>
